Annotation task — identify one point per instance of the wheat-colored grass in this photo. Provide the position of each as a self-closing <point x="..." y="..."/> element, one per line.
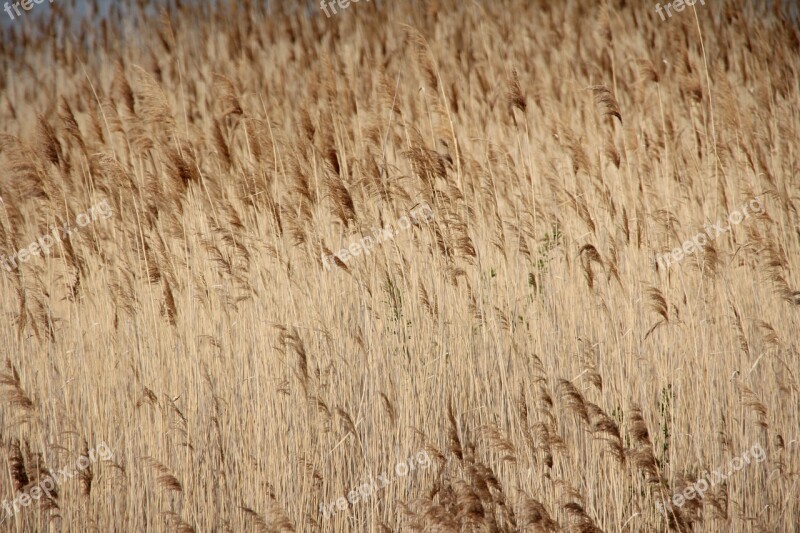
<point x="526" y="338"/>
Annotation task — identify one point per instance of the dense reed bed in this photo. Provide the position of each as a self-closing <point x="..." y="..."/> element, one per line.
<point x="525" y="338"/>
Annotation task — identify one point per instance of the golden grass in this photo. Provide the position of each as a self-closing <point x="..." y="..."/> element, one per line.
<point x="526" y="339"/>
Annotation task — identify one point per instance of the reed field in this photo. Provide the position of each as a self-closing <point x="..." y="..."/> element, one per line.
<point x="480" y="266"/>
